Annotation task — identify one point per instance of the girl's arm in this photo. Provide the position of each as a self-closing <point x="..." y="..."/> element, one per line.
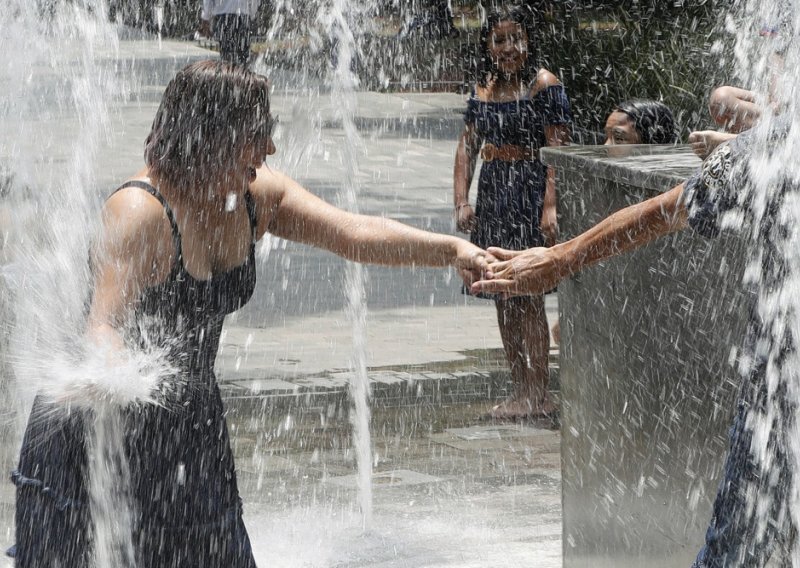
<point x="469" y="144"/>
<point x="289" y="211"/>
<point x="555" y="135"/>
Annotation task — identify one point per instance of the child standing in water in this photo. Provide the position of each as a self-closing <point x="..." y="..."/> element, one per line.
<point x="515" y="109"/>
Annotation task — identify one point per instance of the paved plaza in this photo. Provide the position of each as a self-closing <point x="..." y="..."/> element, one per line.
<point x="450" y="488"/>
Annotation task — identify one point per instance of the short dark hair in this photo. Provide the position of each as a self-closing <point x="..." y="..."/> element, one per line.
<point x="522" y="15"/>
<point x="209" y="111"/>
<point x="653" y="120"/>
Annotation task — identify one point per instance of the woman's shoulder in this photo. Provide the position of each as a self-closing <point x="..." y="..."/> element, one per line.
<point x="134" y="210"/>
<point x="544" y="80"/>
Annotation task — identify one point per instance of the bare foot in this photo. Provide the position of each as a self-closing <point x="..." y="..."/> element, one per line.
<point x="523" y="409"/>
<point x="706" y="141"/>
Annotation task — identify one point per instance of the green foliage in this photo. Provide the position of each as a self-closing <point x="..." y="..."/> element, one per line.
<point x="606" y="52"/>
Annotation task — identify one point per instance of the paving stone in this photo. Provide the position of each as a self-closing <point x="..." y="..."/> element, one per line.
<point x="394" y="478"/>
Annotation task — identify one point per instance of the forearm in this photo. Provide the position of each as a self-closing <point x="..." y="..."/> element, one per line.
<point x="623" y="231"/>
<point x="377" y="240"/>
<point x="462" y="178"/>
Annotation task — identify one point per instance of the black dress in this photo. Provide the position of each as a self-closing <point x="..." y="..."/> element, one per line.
<point x="511" y="193"/>
<point x="186" y="506"/>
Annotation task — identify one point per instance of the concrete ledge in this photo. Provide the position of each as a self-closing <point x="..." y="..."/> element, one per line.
<point x="390" y="389"/>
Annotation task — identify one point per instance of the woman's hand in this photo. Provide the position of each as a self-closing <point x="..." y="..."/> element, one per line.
<point x="472" y="262"/>
<point x="518" y="273"/>
<point x="465" y="217"/>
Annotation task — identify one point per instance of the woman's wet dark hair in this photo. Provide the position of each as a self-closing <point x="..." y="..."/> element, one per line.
<point x="524" y="16"/>
<point x="210" y="111"/>
<point x="653" y="120"/>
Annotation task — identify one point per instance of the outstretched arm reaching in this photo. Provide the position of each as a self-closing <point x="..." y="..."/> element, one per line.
<point x="289" y="211"/>
<point x="537" y="270"/>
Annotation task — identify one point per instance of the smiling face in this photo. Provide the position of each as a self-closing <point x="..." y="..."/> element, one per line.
<point x="621" y="130"/>
<point x="508" y="47"/>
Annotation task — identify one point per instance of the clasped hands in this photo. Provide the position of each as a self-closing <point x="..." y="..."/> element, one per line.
<point x="517" y="273"/>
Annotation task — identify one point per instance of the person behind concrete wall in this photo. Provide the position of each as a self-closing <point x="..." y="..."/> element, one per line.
<point x="635" y="121"/>
<point x="640" y="121"/>
<point x="515" y="109"/>
<point x="230" y="21"/>
<point x="175" y="255"/>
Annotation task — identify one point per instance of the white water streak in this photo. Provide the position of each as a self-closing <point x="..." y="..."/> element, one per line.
<point x="59" y="70"/>
<point x="773" y="165"/>
<point x="340" y="19"/>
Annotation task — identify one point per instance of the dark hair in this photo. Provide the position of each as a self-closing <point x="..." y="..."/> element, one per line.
<point x="522" y="15"/>
<point x="652" y="120"/>
<point x="209" y="112"/>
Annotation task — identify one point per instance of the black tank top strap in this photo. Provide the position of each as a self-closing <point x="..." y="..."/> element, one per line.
<point x="252" y="215"/>
<point x="176" y="234"/>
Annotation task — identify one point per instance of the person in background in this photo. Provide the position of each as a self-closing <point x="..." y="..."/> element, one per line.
<point x="636" y="121"/>
<point x="434" y="21"/>
<point x="515" y="109"/>
<point x="230" y="21"/>
<point x="640" y="121"/>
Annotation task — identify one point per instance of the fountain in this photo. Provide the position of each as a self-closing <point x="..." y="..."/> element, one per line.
<point x="647" y="393"/>
<point x="102" y="90"/>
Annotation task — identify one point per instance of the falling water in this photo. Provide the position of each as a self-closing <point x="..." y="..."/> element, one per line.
<point x="56" y="68"/>
<point x="768" y="210"/>
<point x="342" y="19"/>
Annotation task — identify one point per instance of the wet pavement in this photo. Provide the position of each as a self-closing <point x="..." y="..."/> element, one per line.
<point x="450" y="489"/>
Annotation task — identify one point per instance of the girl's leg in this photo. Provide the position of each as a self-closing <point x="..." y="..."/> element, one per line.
<point x="526" y="340"/>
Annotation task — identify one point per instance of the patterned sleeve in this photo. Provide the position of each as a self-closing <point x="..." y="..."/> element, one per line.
<point x="556" y="107"/>
<point x="713" y="194"/>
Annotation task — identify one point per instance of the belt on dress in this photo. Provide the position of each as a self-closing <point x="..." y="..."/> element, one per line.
<point x="506" y="153"/>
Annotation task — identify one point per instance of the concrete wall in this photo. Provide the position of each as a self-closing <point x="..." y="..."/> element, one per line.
<point x="646" y="383"/>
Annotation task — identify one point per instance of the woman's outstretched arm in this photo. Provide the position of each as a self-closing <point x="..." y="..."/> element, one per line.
<point x="289" y="211"/>
<point x="537" y="270"/>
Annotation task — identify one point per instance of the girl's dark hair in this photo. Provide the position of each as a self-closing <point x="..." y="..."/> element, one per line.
<point x="525" y="17"/>
<point x="209" y="112"/>
<point x="652" y="120"/>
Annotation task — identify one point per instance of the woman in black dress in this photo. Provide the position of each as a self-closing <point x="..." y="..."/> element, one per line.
<point x="176" y="255"/>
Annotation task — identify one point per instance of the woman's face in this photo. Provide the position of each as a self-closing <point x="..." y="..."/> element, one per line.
<point x="621" y="130"/>
<point x="508" y="47"/>
<point x="263" y="146"/>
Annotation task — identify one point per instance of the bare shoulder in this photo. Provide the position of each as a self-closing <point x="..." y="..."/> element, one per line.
<point x="544" y="79"/>
<point x="135" y="210"/>
<point x="135" y="223"/>
<point x="269" y="185"/>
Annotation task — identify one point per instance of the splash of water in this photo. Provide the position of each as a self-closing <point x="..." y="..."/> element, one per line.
<point x="58" y="66"/>
<point x="340" y="19"/>
<point x="765" y="53"/>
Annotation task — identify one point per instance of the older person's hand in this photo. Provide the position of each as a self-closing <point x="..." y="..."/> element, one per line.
<point x="518" y="273"/>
